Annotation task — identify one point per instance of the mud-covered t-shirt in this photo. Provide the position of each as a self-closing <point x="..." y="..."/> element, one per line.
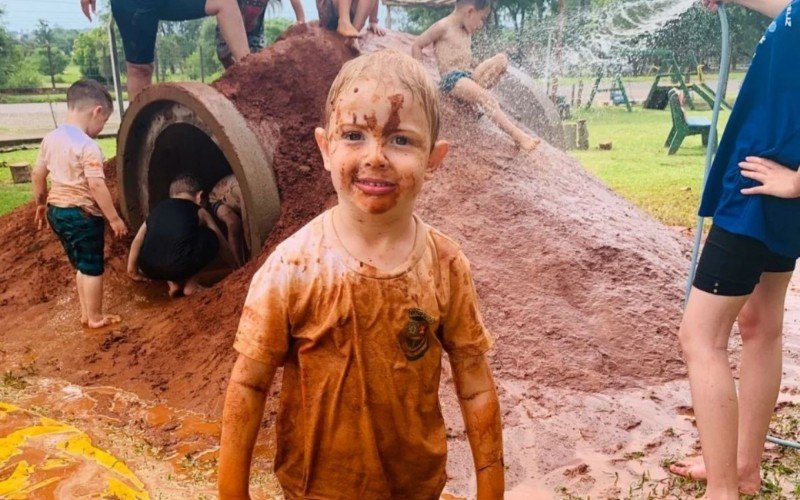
<point x="359" y="409"/>
<point x="765" y="122"/>
<point x="71" y="157"/>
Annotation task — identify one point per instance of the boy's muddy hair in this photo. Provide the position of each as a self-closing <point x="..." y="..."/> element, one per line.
<point x="478" y="4"/>
<point x="87" y="92"/>
<point x="185" y="183"/>
<point x="384" y="65"/>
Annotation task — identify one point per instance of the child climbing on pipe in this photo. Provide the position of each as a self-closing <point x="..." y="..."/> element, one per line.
<point x="753" y="194"/>
<point x="452" y="42"/>
<point x="177" y="241"/>
<point x="358" y="307"/>
<point x="79" y="199"/>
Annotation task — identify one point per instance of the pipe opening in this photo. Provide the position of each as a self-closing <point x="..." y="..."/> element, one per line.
<point x="183" y="148"/>
<point x="172" y="129"/>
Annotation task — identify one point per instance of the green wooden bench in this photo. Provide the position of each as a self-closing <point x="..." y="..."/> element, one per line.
<point x="683" y="127"/>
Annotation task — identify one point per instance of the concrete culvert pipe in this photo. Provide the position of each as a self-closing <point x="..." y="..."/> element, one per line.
<point x="190" y="127"/>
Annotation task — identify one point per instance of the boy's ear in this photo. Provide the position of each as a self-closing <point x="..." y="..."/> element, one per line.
<point x="321" y="135"/>
<point x="435" y="159"/>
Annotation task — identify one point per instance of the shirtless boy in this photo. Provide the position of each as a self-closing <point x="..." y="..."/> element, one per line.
<point x="452" y="41"/>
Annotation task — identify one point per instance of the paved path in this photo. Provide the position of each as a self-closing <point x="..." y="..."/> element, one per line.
<point x="31" y="121"/>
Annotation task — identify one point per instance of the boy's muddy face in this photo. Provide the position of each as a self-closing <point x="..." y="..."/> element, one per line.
<point x="377" y="147"/>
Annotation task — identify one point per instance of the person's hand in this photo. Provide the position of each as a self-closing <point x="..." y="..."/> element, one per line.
<point x="776" y="180"/>
<point x="713" y="5"/>
<point x="40" y="217"/>
<point x="118" y="227"/>
<point x="89" y="7"/>
<point x="375" y="28"/>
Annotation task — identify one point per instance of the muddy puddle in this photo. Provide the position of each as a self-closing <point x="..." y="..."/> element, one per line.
<point x="58" y="440"/>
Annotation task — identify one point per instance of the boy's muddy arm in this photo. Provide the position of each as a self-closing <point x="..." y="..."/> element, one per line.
<point x="133" y="256"/>
<point x="241" y="417"/>
<point x="39" y="177"/>
<point x="481" y="411"/>
<point x="101" y="194"/>
<point x="432" y="34"/>
<point x="227" y="252"/>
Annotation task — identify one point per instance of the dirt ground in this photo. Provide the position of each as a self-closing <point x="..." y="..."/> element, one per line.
<point x="580" y="289"/>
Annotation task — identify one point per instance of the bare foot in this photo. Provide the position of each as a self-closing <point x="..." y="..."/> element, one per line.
<point x="695" y="470"/>
<point x="84" y="320"/>
<point x="174" y="289"/>
<point x="529" y="143"/>
<point x="108" y="319"/>
<point x="191" y="288"/>
<point x="346" y="29"/>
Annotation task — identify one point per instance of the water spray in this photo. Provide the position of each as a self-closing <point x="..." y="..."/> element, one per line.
<point x="722" y="85"/>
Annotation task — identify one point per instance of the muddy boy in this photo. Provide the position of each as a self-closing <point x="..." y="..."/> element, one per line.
<point x="359" y="306"/>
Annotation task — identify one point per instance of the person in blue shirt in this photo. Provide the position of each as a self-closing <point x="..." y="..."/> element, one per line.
<point x="753" y="194"/>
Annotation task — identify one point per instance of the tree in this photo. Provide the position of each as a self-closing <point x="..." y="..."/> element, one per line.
<point x="90" y="53"/>
<point x="51" y="60"/>
<point x="10" y="55"/>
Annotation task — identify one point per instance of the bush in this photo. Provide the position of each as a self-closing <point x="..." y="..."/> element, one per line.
<point x="26" y="76"/>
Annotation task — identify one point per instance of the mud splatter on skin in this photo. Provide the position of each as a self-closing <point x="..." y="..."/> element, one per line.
<point x="396" y="103"/>
<point x="372" y="121"/>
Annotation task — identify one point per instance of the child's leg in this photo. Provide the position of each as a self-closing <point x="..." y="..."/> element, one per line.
<point x="174" y="288"/>
<point x="363" y="9"/>
<point x="192" y="286"/>
<point x="469" y="91"/>
<point x="93" y="293"/>
<point x="761" y="327"/>
<point x="704" y="334"/>
<point x="345" y="26"/>
<point x="489" y="72"/>
<point x="81" y="299"/>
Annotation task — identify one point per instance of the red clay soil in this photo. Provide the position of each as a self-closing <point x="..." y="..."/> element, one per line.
<point x="580" y="289"/>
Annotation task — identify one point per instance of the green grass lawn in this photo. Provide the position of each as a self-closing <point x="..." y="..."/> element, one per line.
<point x="13" y="195"/>
<point x="638" y="167"/>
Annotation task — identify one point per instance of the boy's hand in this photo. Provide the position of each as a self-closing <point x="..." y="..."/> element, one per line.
<point x="375" y="28"/>
<point x="118" y="227"/>
<point x="776" y="180"/>
<point x="40" y="217"/>
<point x="88" y="7"/>
<point x="713" y="5"/>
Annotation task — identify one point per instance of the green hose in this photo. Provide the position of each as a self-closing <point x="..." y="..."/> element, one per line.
<point x="722" y="85"/>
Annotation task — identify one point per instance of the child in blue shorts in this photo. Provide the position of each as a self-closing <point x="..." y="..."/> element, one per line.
<point x="753" y="194"/>
<point x="79" y="198"/>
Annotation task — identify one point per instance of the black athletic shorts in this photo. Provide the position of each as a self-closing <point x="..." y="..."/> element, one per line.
<point x="732" y="264"/>
<point x="203" y="251"/>
<point x="138" y="23"/>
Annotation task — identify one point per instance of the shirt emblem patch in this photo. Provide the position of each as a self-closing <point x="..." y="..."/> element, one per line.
<point x="414" y="337"/>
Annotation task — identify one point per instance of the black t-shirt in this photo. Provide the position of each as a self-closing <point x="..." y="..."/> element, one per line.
<point x="173" y="229"/>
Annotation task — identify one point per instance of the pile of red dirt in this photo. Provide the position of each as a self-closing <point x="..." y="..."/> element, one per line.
<point x="580" y="289"/>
